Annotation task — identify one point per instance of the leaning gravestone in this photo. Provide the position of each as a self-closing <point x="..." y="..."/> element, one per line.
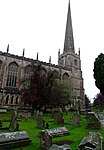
<point x="76" y="119"/>
<point x="47" y="135"/>
<point x="13" y="121"/>
<point x="93" y="141"/>
<point x="11" y="140"/>
<point x="45" y="140"/>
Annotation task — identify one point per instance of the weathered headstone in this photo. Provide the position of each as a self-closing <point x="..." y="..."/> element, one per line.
<point x="97" y="119"/>
<point x="57" y="132"/>
<point x="93" y="141"/>
<point x="47" y="125"/>
<point x="17" y="126"/>
<point x="76" y="119"/>
<point x="47" y="135"/>
<point x="45" y="140"/>
<point x="58" y="117"/>
<point x="39" y="121"/>
<point x="13" y="121"/>
<point x="35" y="114"/>
<point x="11" y="140"/>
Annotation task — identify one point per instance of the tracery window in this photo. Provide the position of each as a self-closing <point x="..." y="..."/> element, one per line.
<point x="75" y="62"/>
<point x="65" y="77"/>
<point x="7" y="99"/>
<point x="12" y="99"/>
<point x="17" y="100"/>
<point x="12" y="75"/>
<point x="28" y="71"/>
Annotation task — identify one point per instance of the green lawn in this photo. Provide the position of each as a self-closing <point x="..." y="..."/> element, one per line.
<point x="76" y="133"/>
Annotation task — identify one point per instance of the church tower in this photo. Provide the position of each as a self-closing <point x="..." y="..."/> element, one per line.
<point x="71" y="61"/>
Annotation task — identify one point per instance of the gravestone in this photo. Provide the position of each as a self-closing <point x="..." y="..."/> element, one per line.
<point x="39" y="121"/>
<point x="62" y="147"/>
<point x="97" y="120"/>
<point x="17" y="126"/>
<point x="57" y="132"/>
<point x="93" y="141"/>
<point x="45" y="140"/>
<point x="35" y="114"/>
<point x="11" y="140"/>
<point x="13" y="121"/>
<point x="101" y="119"/>
<point x="47" y="135"/>
<point x="47" y="125"/>
<point x="58" y="117"/>
<point x="76" y="119"/>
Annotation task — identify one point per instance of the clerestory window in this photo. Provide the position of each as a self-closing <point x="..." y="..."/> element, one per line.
<point x="12" y="75"/>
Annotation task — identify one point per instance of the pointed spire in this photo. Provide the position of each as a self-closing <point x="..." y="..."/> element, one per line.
<point x="50" y="59"/>
<point x="69" y="40"/>
<point x="37" y="55"/>
<point x="8" y="48"/>
<point x="23" y="52"/>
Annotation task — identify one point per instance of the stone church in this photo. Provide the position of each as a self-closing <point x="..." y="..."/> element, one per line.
<point x="14" y="68"/>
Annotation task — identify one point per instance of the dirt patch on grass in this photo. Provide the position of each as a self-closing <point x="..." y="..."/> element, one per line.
<point x="61" y="142"/>
<point x="93" y="126"/>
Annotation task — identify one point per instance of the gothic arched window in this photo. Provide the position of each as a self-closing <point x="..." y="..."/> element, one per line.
<point x="28" y="71"/>
<point x="75" y="62"/>
<point x="17" y="100"/>
<point x="7" y="99"/>
<point x="65" y="77"/>
<point x="12" y="74"/>
<point x="12" y="99"/>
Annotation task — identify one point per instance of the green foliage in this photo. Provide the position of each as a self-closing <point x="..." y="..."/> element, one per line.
<point x="99" y="72"/>
<point x="99" y="102"/>
<point x="44" y="88"/>
<point x="60" y="93"/>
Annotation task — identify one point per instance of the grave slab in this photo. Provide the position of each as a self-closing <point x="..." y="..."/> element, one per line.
<point x="14" y="139"/>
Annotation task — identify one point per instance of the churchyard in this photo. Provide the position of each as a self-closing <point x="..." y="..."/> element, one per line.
<point x="51" y="129"/>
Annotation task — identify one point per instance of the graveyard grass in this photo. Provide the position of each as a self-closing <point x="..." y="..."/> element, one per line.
<point x="75" y="137"/>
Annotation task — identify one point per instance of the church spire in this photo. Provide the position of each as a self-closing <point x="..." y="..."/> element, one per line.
<point x="69" y="40"/>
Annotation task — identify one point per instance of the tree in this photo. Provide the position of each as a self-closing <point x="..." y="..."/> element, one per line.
<point x="99" y="100"/>
<point x="44" y="89"/>
<point x="37" y="91"/>
<point x="99" y="72"/>
<point x="60" y="94"/>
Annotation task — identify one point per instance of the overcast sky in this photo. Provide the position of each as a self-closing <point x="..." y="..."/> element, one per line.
<point x="39" y="26"/>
